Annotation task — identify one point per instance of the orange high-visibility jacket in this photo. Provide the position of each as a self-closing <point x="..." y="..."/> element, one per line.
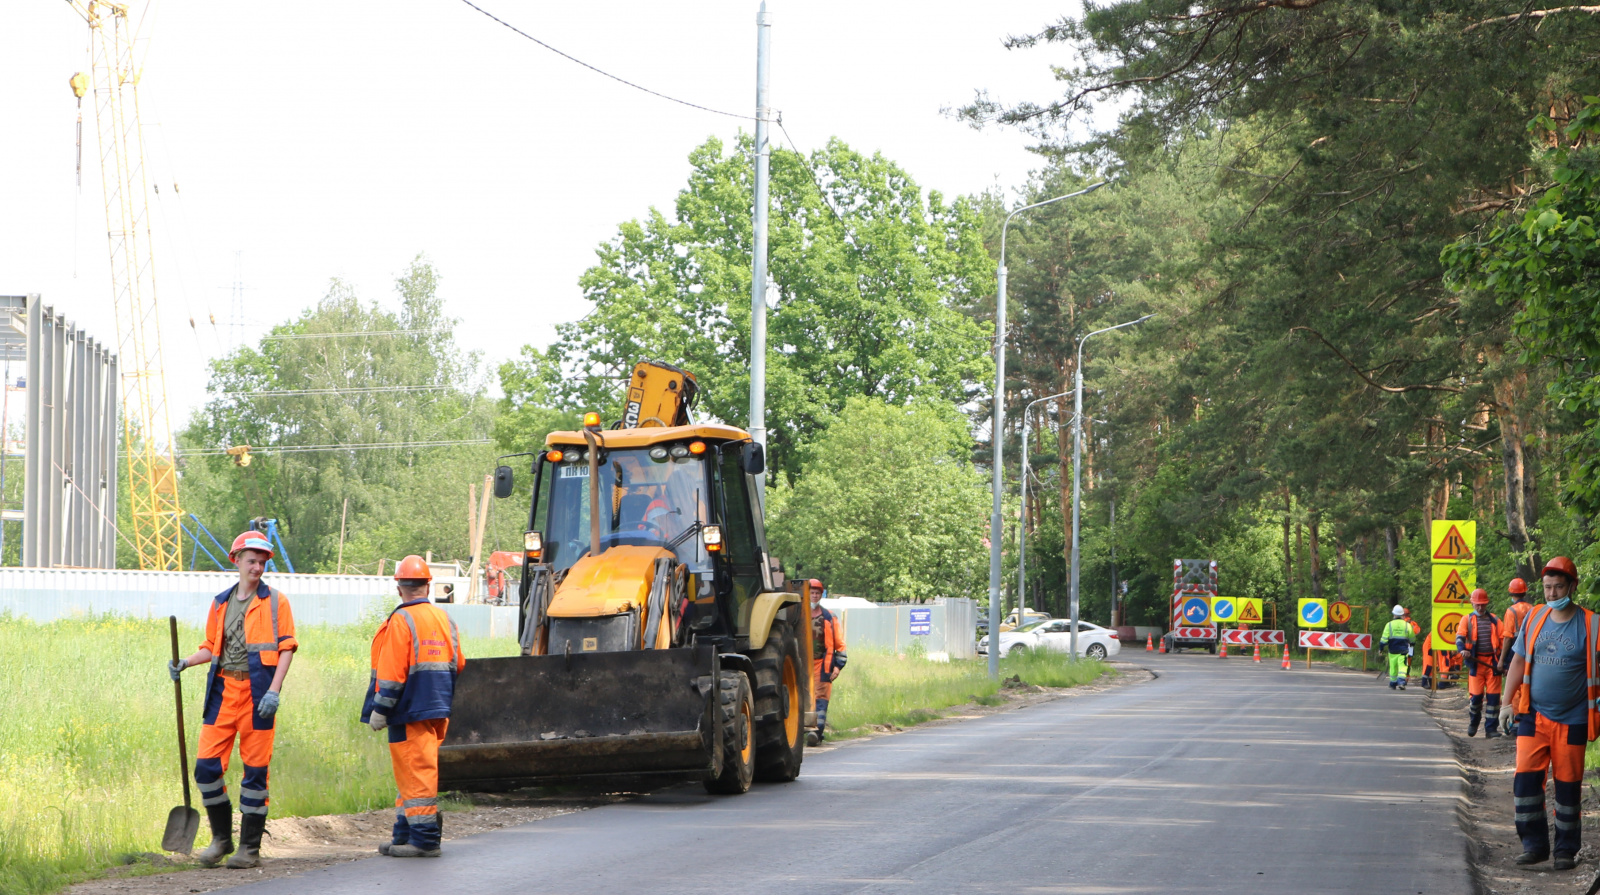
<point x="1521" y="701"/>
<point x="824" y="640"/>
<point x="1511" y="623"/>
<point x="268" y="631"/>
<point x="1467" y="635"/>
<point x="416" y="656"/>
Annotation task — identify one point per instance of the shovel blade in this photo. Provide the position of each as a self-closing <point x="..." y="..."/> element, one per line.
<point x="183" y="825"/>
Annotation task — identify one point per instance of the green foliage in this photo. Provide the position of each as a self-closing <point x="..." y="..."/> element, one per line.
<point x="887" y="505"/>
<point x="871" y="283"/>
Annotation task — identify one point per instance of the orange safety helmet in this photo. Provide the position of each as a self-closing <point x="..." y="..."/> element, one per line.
<point x="250" y="540"/>
<point x="1517" y="586"/>
<point x="1561" y="566"/>
<point x="1480" y="597"/>
<point x="816" y="588"/>
<point x="413" y="568"/>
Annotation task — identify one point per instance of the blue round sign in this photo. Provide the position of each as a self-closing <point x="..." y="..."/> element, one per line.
<point x="1311" y="612"/>
<point x="1195" y="611"/>
<point x="1223" y="608"/>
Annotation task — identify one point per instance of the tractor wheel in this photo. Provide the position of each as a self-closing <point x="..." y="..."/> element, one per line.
<point x="738" y="735"/>
<point x="780" y="705"/>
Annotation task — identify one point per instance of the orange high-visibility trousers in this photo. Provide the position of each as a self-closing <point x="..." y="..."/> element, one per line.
<point x="1542" y="743"/>
<point x="414" y="752"/>
<point x="235" y="719"/>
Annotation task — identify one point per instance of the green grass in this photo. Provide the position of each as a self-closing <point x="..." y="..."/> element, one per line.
<point x="88" y="740"/>
<point x="879" y="688"/>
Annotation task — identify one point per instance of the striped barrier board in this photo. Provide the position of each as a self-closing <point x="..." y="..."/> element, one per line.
<point x="1194" y="633"/>
<point x="1245" y="638"/>
<point x="1335" y="640"/>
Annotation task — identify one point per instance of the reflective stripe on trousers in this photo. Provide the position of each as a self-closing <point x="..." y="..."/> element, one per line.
<point x="414" y="752"/>
<point x="1541" y="744"/>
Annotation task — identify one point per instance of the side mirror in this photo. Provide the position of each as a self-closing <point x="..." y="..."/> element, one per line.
<point x="753" y="458"/>
<point x="502" y="481"/>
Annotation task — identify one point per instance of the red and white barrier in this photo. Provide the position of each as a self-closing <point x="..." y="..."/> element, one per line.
<point x="1276" y="637"/>
<point x="1335" y="640"/>
<point x="1245" y="638"/>
<point x="1181" y="633"/>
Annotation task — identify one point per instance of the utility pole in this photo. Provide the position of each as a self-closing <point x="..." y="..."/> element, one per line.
<point x="758" y="273"/>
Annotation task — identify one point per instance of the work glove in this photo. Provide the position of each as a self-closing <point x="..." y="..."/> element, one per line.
<point x="379" y="721"/>
<point x="175" y="668"/>
<point x="269" y="704"/>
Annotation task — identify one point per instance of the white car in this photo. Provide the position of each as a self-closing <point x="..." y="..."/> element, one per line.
<point x="1055" y="635"/>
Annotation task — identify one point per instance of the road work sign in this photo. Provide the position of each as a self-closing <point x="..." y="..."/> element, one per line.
<point x="1224" y="609"/>
<point x="1313" y="613"/>
<point x="921" y="621"/>
<point x="1453" y="541"/>
<point x="1334" y="640"/>
<point x="1249" y="610"/>
<point x="1196" y="610"/>
<point x="1453" y="584"/>
<point x="1339" y="612"/>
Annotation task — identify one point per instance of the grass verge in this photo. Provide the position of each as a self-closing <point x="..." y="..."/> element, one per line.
<point x="879" y="688"/>
<point x="88" y="740"/>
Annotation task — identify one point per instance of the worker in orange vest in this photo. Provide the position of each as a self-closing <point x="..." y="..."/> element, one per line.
<point x="1511" y="621"/>
<point x="827" y="656"/>
<point x="1478" y="643"/>
<point x="1557" y="715"/>
<point x="416" y="656"/>
<point x="249" y="643"/>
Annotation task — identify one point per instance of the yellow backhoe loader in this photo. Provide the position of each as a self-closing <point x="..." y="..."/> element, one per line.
<point x="656" y="637"/>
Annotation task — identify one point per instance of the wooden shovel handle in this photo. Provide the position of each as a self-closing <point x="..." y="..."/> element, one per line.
<point x="183" y="745"/>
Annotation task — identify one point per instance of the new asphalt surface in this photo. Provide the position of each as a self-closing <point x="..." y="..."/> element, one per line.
<point x="1219" y="776"/>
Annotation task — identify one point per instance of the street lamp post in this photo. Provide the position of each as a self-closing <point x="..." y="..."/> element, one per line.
<point x="997" y="428"/>
<point x="1077" y="479"/>
<point x="1022" y="530"/>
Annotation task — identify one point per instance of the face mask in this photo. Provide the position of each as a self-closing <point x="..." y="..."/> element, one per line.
<point x="1560" y="604"/>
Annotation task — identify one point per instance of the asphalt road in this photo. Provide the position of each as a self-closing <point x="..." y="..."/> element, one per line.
<point x="1218" y="776"/>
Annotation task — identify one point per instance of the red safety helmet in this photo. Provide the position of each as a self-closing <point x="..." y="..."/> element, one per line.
<point x="250" y="540"/>
<point x="1480" y="597"/>
<point x="413" y="568"/>
<point x="816" y="588"/>
<point x="1517" y="586"/>
<point x="1561" y="566"/>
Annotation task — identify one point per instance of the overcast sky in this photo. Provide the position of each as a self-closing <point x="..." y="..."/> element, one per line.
<point x="309" y="140"/>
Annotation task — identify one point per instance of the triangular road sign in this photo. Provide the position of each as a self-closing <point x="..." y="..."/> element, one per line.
<point x="1454" y="590"/>
<point x="1249" y="614"/>
<point x="1453" y="547"/>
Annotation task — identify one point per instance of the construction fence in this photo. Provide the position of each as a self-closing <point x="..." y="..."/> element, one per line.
<point x="944" y="629"/>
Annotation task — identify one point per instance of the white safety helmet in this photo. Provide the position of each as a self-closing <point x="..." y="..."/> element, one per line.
<point x="1399" y="611"/>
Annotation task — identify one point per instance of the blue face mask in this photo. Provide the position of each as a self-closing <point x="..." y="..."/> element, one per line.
<point x="1560" y="604"/>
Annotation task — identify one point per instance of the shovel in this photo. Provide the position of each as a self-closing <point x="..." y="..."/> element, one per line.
<point x="183" y="822"/>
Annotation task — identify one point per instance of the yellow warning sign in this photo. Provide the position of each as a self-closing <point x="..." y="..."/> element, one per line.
<point x="1453" y="584"/>
<point x="1453" y="540"/>
<point x="1446" y="618"/>
<point x="1339" y="612"/>
<point x="1250" y="611"/>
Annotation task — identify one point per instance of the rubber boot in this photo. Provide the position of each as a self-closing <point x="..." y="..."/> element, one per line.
<point x="822" y="719"/>
<point x="221" y="818"/>
<point x="1491" y="718"/>
<point x="251" y="827"/>
<point x="411" y="851"/>
<point x="1474" y="718"/>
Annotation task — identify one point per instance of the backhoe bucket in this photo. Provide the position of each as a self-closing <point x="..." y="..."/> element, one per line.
<point x="527" y="720"/>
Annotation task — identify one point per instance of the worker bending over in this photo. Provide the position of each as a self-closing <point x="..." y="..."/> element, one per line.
<point x="416" y="656"/>
<point x="1478" y="643"/>
<point x="1397" y="639"/>
<point x="249" y="643"/>
<point x="1556" y="715"/>
<point x="827" y="656"/>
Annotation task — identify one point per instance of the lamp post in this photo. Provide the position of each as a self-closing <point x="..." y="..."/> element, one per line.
<point x="1022" y="530"/>
<point x="997" y="429"/>
<point x="1077" y="479"/>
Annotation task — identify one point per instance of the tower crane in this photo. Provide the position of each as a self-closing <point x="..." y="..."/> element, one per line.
<point x="146" y="427"/>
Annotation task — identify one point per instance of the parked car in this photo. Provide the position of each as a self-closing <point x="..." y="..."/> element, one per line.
<point x="1055" y="635"/>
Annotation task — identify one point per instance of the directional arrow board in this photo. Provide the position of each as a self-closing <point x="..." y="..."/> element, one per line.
<point x="1313" y="613"/>
<point x="1245" y="638"/>
<point x="1269" y="636"/>
<point x="1196" y="610"/>
<point x="1334" y="640"/>
<point x="1224" y="609"/>
<point x="1194" y="633"/>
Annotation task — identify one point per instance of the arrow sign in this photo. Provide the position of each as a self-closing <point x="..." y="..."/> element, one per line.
<point x="1339" y="612"/>
<point x="1269" y="636"/>
<point x="1335" y="640"/>
<point x="1223" y="609"/>
<point x="1313" y="613"/>
<point x="1194" y="633"/>
<point x="1196" y="610"/>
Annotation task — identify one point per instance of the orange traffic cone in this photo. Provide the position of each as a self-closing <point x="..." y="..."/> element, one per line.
<point x="1258" y="654"/>
<point x="1163" y="645"/>
<point x="1223" y="652"/>
<point x="1149" y="643"/>
<point x="1286" y="657"/>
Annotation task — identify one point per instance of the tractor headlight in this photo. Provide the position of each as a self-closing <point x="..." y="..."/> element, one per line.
<point x="533" y="544"/>
<point x="712" y="536"/>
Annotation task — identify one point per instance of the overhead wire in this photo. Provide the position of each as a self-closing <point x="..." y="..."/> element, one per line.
<point x="603" y="72"/>
<point x="356" y="390"/>
<point x="351" y="335"/>
<point x="317" y="448"/>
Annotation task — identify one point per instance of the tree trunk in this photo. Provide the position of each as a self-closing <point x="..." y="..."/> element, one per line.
<point x="1338" y="564"/>
<point x="1316" y="560"/>
<point x="1288" y="555"/>
<point x="1520" y="481"/>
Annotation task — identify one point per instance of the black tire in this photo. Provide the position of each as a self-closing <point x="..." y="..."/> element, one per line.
<point x="782" y="676"/>
<point x="738" y="734"/>
<point x="1096" y="651"/>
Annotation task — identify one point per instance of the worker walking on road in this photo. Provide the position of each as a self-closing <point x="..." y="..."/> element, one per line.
<point x="827" y="654"/>
<point x="250" y="643"/>
<point x="1397" y="637"/>
<point x="1556" y="714"/>
<point x="1511" y="622"/>
<point x="416" y="656"/>
<point x="1478" y="642"/>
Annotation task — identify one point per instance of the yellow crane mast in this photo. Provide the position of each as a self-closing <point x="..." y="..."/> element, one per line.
<point x="147" y="430"/>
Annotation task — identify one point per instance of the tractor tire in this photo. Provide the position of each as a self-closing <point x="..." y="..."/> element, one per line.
<point x="781" y="678"/>
<point x="738" y="736"/>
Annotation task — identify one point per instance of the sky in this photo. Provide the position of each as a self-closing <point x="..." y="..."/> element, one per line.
<point x="294" y="142"/>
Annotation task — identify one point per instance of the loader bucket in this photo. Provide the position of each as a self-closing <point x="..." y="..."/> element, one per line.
<point x="528" y="720"/>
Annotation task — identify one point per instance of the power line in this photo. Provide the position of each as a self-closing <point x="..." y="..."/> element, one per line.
<point x="613" y="77"/>
<point x="313" y="448"/>
<point x="299" y="392"/>
<point x="351" y="335"/>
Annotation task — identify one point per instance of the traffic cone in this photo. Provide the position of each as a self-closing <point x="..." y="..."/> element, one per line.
<point x="1163" y="645"/>
<point x="1258" y="654"/>
<point x="1286" y="657"/>
<point x="1223" y="652"/>
<point x="1149" y="643"/>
